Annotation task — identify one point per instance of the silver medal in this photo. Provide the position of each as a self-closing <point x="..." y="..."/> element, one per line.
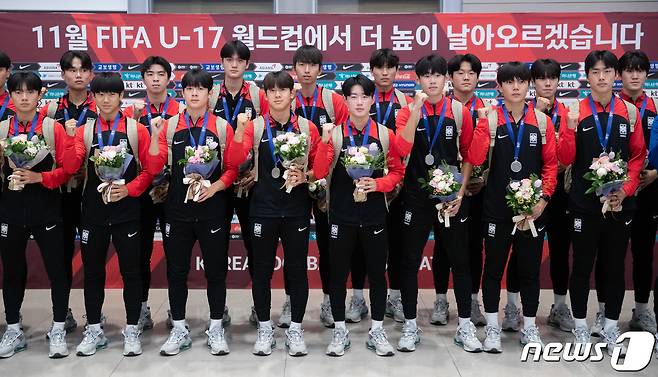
<point x="276" y="173"/>
<point x="429" y="160"/>
<point x="516" y="166"/>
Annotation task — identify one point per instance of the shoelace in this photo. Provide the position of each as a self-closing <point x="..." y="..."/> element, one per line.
<point x="532" y="334"/>
<point x="9" y="337"/>
<point x="57" y="336"/>
<point x="582" y="335"/>
<point x="410" y="331"/>
<point x="355" y="304"/>
<point x="379" y="336"/>
<point x="600" y="318"/>
<point x="90" y="336"/>
<point x="176" y="336"/>
<point x="295" y="336"/>
<point x="441" y="306"/>
<point x="397" y="304"/>
<point x="511" y="311"/>
<point x="339" y="336"/>
<point x="612" y="336"/>
<point x="131" y="336"/>
<point x="326" y="310"/>
<point x="264" y="336"/>
<point x="215" y="335"/>
<point x="645" y="317"/>
<point x="492" y="332"/>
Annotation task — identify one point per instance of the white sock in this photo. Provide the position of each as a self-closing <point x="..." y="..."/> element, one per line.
<point x="609" y="325"/>
<point x="295" y="326"/>
<point x="179" y="324"/>
<point x="144" y="305"/>
<point x="14" y="326"/>
<point x="340" y="325"/>
<point x="376" y="324"/>
<point x="326" y="300"/>
<point x="641" y="307"/>
<point x="474" y="297"/>
<point x="215" y="323"/>
<point x="441" y="297"/>
<point x="58" y="325"/>
<point x="492" y="319"/>
<point x="580" y="323"/>
<point x="394" y="293"/>
<point x="357" y="293"/>
<point x="265" y="324"/>
<point x="463" y="321"/>
<point x="411" y="322"/>
<point x="559" y="300"/>
<point x="513" y="298"/>
<point x="528" y="322"/>
<point x="602" y="307"/>
<point x="96" y="327"/>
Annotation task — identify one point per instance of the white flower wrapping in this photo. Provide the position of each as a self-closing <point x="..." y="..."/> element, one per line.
<point x="522" y="196"/>
<point x="608" y="173"/>
<point x="362" y="162"/>
<point x="110" y="165"/>
<point x="292" y="148"/>
<point x="443" y="184"/>
<point x="199" y="164"/>
<point x="24" y="154"/>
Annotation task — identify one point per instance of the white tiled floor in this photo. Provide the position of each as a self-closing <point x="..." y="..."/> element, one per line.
<point x="436" y="355"/>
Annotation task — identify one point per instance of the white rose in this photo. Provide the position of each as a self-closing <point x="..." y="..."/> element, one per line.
<point x="31" y="151"/>
<point x="285" y="148"/>
<point x="111" y="154"/>
<point x="360" y="159"/>
<point x="601" y="172"/>
<point x="281" y="138"/>
<point x="293" y="141"/>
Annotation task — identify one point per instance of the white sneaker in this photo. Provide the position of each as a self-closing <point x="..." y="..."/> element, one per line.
<point x="357" y="310"/>
<point x="560" y="317"/>
<point x="178" y="340"/>
<point x="70" y="323"/>
<point x="492" y="341"/>
<point x="610" y="339"/>
<point x="467" y="339"/>
<point x="132" y="345"/>
<point x="581" y="335"/>
<point x="57" y="347"/>
<point x="217" y="341"/>
<point x="226" y="318"/>
<point x="145" y="320"/>
<point x="92" y="341"/>
<point x="264" y="341"/>
<point x="477" y="317"/>
<point x="253" y="317"/>
<point x="340" y="341"/>
<point x="286" y="315"/>
<point x="12" y="341"/>
<point x="512" y="319"/>
<point x="394" y="309"/>
<point x="597" y="327"/>
<point x="326" y="317"/>
<point x="531" y="336"/>
<point x="643" y="320"/>
<point x="410" y="337"/>
<point x="295" y="342"/>
<point x="440" y="315"/>
<point x="378" y="342"/>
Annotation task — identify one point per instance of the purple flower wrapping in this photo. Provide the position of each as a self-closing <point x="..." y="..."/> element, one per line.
<point x="204" y="170"/>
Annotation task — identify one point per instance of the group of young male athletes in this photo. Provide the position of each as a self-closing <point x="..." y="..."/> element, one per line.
<point x="381" y="238"/>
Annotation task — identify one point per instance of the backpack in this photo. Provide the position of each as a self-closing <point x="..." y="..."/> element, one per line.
<point x="254" y="93"/>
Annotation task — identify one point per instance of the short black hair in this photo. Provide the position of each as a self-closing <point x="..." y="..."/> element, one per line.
<point x="197" y="78"/>
<point x="28" y="79"/>
<point x="513" y="70"/>
<point x="456" y="61"/>
<point x="384" y="57"/>
<point x="307" y="54"/>
<point x="280" y="79"/>
<point x="545" y="69"/>
<point x="361" y="80"/>
<point x="153" y="60"/>
<point x="107" y="82"/>
<point x="635" y="60"/>
<point x="235" y="47"/>
<point x="66" y="61"/>
<point x="608" y="58"/>
<point x="5" y="61"/>
<point x="431" y="64"/>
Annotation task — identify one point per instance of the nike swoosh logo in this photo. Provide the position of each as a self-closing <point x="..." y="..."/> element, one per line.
<point x="94" y="145"/>
<point x="321" y="76"/>
<point x="302" y="229"/>
<point x="131" y="235"/>
<point x="23" y="66"/>
<point x="502" y="136"/>
<point x="481" y="84"/>
<point x="265" y="140"/>
<point x="133" y="66"/>
<point x="51" y="84"/>
<point x="213" y="231"/>
<point x="371" y="114"/>
<point x="420" y="129"/>
<point x="348" y="66"/>
<point x="178" y="142"/>
<point x="540" y="229"/>
<point x="132" y="94"/>
<point x="587" y="129"/>
<point x="378" y="231"/>
<point x="563" y="66"/>
<point x="220" y="110"/>
<point x="463" y="220"/>
<point x="51" y="227"/>
<point x="562" y="94"/>
<point x="628" y="222"/>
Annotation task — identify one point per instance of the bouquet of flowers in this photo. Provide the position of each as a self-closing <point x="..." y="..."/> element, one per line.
<point x="362" y="162"/>
<point x="110" y="163"/>
<point x="443" y="184"/>
<point x="199" y="163"/>
<point x="608" y="173"/>
<point x="521" y="197"/>
<point x="318" y="190"/>
<point x="292" y="148"/>
<point x="24" y="153"/>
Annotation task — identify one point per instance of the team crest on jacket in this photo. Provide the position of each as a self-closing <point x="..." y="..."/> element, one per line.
<point x="533" y="139"/>
<point x="4" y="230"/>
<point x="650" y="122"/>
<point x="257" y="229"/>
<point x="623" y="129"/>
<point x="449" y="132"/>
<point x="334" y="231"/>
<point x="323" y="119"/>
<point x="577" y="225"/>
<point x="492" y="230"/>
